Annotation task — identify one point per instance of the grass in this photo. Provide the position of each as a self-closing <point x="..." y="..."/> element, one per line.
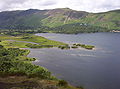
<point x="89" y="47"/>
<point x="13" y="44"/>
<point x="23" y="82"/>
<point x="7" y="43"/>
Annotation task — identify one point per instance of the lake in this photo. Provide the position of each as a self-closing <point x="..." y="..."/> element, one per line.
<point x="92" y="69"/>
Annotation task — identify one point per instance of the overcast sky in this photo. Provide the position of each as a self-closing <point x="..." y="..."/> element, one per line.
<point x="81" y="5"/>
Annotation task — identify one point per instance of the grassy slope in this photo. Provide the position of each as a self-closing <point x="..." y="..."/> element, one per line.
<point x="32" y="19"/>
<point x="28" y="19"/>
<point x="22" y="82"/>
<point x="59" y="17"/>
<point x="109" y="20"/>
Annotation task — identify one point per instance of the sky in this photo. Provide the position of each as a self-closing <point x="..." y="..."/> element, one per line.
<point x="80" y="5"/>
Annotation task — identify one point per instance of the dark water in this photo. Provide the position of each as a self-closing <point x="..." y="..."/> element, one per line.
<point x="96" y="69"/>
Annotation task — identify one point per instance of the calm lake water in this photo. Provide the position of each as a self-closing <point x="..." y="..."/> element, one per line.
<point x="92" y="69"/>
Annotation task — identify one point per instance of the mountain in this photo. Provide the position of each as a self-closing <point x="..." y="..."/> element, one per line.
<point x="63" y="18"/>
<point x="27" y="19"/>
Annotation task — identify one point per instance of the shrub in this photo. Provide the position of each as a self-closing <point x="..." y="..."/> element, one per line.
<point x="62" y="83"/>
<point x="1" y="46"/>
<point x="14" y="62"/>
<point x="74" y="47"/>
<point x="64" y="47"/>
<point x="80" y="87"/>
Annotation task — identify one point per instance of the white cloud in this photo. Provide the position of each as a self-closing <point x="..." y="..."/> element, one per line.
<point x="82" y="5"/>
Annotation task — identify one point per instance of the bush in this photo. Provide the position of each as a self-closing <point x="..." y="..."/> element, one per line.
<point x="40" y="72"/>
<point x="80" y="87"/>
<point x="64" y="47"/>
<point x="1" y="46"/>
<point x="13" y="61"/>
<point x="30" y="59"/>
<point x="74" y="47"/>
<point x="62" y="83"/>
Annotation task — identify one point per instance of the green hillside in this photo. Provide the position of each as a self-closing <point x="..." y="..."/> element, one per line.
<point x="110" y="20"/>
<point x="18" y="72"/>
<point x="49" y="20"/>
<point x="58" y="17"/>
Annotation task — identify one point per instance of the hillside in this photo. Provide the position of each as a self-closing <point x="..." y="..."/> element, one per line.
<point x="18" y="72"/>
<point x="48" y="20"/>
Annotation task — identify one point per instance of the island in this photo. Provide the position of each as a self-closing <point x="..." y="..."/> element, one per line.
<point x="76" y="46"/>
<point x="89" y="47"/>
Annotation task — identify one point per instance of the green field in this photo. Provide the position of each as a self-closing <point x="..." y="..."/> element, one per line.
<point x="23" y="41"/>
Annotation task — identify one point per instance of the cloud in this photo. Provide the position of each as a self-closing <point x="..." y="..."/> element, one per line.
<point x="10" y="4"/>
<point x="82" y="5"/>
<point x="95" y="5"/>
<point x="49" y="3"/>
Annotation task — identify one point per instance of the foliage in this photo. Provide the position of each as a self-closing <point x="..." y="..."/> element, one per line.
<point x="87" y="46"/>
<point x="12" y="63"/>
<point x="78" y="28"/>
<point x="74" y="47"/>
<point x="1" y="46"/>
<point x="64" y="47"/>
<point x="80" y="87"/>
<point x="90" y="47"/>
<point x="62" y="83"/>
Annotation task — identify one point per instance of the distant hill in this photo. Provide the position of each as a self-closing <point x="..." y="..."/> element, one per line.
<point x="60" y="18"/>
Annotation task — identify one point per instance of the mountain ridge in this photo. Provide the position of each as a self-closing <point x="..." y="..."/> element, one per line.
<point x="35" y="19"/>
